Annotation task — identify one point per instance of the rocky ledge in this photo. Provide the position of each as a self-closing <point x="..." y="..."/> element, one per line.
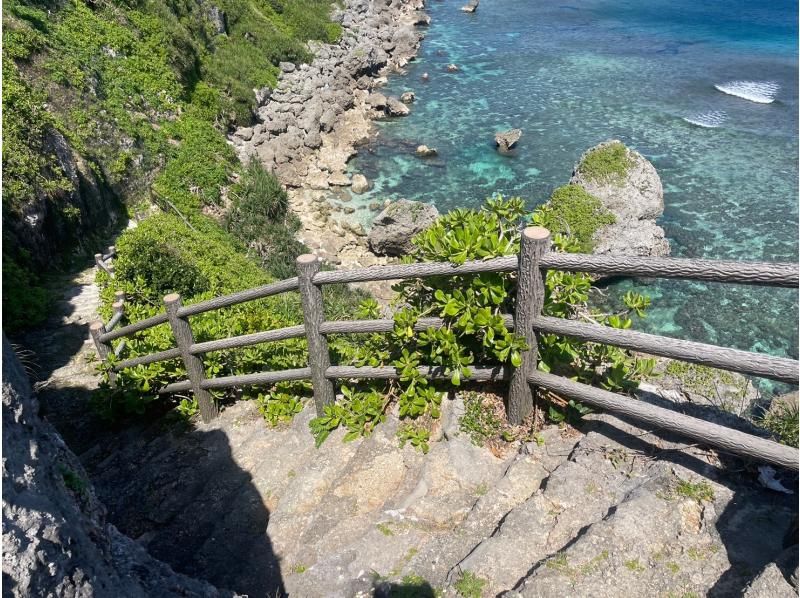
<point x="634" y="195"/>
<point x="310" y="124"/>
<point x="56" y="540"/>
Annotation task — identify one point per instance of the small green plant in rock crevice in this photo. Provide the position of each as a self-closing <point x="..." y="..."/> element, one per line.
<point x="473" y="332"/>
<point x="782" y="422"/>
<point x="469" y="585"/>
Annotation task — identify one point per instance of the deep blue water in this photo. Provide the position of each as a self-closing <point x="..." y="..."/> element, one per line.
<point x="574" y="74"/>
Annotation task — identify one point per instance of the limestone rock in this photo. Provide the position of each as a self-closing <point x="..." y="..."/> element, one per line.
<point x="407" y="97"/>
<point x="424" y="151"/>
<point x="360" y="184"/>
<point x="376" y="100"/>
<point x="505" y="140"/>
<point x="394" y="227"/>
<point x="452" y="68"/>
<point x="395" y="107"/>
<point x="56" y="541"/>
<point x="636" y="200"/>
<point x="470" y="6"/>
<point x="339" y="179"/>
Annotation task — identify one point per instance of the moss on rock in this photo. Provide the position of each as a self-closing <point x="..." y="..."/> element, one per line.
<point x="573" y="212"/>
<point x="608" y="163"/>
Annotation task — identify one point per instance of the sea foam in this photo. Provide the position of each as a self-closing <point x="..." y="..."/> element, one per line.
<point x="761" y="92"/>
<point x="708" y="120"/>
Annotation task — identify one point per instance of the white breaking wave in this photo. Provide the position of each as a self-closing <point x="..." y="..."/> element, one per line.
<point x="709" y="120"/>
<point x="761" y="92"/>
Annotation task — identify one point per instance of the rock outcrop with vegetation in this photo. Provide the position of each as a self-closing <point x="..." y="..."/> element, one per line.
<point x="628" y="187"/>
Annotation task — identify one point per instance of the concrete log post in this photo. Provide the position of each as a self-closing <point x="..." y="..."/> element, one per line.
<point x="534" y="244"/>
<point x="319" y="359"/>
<point x="194" y="365"/>
<point x="96" y="329"/>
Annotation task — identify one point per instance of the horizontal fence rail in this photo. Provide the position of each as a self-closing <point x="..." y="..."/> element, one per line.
<point x="706" y="432"/>
<point x="534" y="260"/>
<point x="760" y="273"/>
<point x="744" y="362"/>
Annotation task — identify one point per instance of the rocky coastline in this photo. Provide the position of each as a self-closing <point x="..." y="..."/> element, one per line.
<point x="311" y="124"/>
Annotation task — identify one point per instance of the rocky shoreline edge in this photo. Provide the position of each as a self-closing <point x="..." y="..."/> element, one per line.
<point x="311" y="124"/>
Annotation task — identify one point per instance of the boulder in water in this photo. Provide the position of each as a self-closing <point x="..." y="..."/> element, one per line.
<point x="505" y="140"/>
<point x="408" y="97"/>
<point x="424" y="151"/>
<point x="629" y="187"/>
<point x="452" y="68"/>
<point x="395" y="107"/>
<point x="397" y="224"/>
<point x="470" y="6"/>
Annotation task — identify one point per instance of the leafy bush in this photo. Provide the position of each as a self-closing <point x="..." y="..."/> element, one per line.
<point x="25" y="302"/>
<point x="259" y="216"/>
<point x="474" y="333"/>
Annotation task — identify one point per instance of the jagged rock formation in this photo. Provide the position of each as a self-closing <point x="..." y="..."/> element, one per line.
<point x="505" y="140"/>
<point x="636" y="198"/>
<point x="397" y="224"/>
<point x="56" y="540"/>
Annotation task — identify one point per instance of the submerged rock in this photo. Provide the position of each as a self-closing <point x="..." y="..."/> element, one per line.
<point x="425" y="151"/>
<point x="505" y="140"/>
<point x="452" y="68"/>
<point x="629" y="187"/>
<point x="395" y="226"/>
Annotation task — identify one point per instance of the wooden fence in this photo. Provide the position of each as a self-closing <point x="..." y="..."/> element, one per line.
<point x="534" y="259"/>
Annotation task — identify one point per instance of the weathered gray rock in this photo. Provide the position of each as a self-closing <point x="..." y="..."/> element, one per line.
<point x="245" y="133"/>
<point x="505" y="140"/>
<point x="339" y="179"/>
<point x="360" y="184"/>
<point x="407" y="97"/>
<point x="56" y="541"/>
<point x="451" y="68"/>
<point x="394" y="227"/>
<point x="218" y="20"/>
<point x="376" y="100"/>
<point x="395" y="107"/>
<point x="470" y="6"/>
<point x="636" y="200"/>
<point x="424" y="151"/>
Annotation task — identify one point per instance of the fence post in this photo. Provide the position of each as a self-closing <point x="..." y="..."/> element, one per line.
<point x="319" y="360"/>
<point x="194" y="365"/>
<point x="535" y="242"/>
<point x="103" y="349"/>
<point x="98" y="261"/>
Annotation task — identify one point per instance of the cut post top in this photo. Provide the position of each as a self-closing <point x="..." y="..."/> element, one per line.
<point x="96" y="327"/>
<point x="118" y="305"/>
<point x="172" y="298"/>
<point x="306" y="258"/>
<point x="536" y="233"/>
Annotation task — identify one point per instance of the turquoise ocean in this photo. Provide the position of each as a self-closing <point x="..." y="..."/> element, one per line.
<point x="706" y="90"/>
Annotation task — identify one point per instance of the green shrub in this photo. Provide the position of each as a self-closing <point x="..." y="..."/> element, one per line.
<point x="575" y="214"/>
<point x="782" y="422"/>
<point x="607" y="164"/>
<point x="474" y="333"/>
<point x="26" y="302"/>
<point x="259" y="216"/>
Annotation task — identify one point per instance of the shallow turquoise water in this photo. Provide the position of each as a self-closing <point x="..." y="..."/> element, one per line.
<point x="573" y="75"/>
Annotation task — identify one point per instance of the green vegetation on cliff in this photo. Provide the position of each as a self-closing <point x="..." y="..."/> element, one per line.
<point x="608" y="163"/>
<point x="575" y="214"/>
<point x="136" y="96"/>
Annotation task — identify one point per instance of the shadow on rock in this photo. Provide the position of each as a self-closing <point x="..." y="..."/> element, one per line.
<point x="180" y="494"/>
